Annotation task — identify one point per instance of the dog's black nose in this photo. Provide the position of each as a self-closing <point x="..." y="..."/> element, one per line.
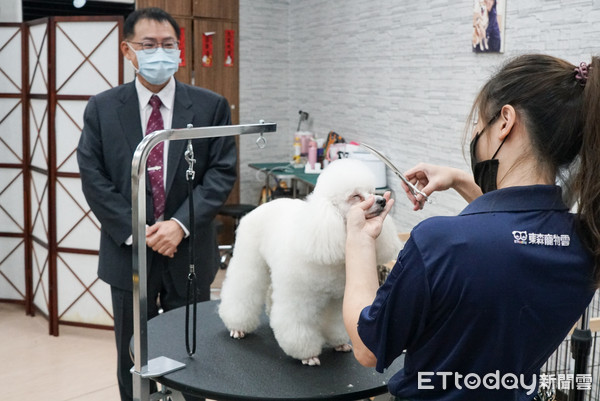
<point x="381" y="202"/>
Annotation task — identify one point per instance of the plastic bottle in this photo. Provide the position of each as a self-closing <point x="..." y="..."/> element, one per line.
<point x="312" y="154"/>
<point x="297" y="148"/>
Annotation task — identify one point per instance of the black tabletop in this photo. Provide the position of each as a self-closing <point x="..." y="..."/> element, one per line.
<point x="254" y="368"/>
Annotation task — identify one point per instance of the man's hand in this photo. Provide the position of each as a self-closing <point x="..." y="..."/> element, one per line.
<point x="164" y="237"/>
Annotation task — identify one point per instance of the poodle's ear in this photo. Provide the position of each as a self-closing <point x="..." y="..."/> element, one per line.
<point x="324" y="232"/>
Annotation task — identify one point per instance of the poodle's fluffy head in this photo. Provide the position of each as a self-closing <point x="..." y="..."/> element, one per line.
<point x="342" y="184"/>
<point x="346" y="182"/>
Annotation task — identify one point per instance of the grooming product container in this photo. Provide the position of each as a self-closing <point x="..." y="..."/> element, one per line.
<point x="374" y="164"/>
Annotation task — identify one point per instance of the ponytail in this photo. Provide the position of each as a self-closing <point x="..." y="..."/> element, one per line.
<point x="560" y="106"/>
<point x="587" y="179"/>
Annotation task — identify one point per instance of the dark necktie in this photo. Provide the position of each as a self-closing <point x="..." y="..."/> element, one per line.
<point x="155" y="159"/>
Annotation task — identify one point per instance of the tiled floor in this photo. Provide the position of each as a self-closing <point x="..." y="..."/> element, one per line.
<point x="77" y="365"/>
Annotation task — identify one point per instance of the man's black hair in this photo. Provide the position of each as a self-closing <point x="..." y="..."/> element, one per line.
<point x="151" y="13"/>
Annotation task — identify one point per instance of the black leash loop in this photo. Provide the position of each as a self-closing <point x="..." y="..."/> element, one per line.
<point x="192" y="292"/>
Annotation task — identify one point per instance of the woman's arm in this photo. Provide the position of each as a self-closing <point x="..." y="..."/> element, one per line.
<point x="361" y="271"/>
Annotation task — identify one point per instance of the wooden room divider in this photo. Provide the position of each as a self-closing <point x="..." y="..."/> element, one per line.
<point x="15" y="262"/>
<point x="48" y="237"/>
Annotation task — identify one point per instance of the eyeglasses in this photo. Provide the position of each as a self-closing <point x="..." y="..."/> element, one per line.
<point x="150" y="46"/>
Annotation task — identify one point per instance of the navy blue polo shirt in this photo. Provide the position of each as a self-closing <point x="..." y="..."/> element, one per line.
<point x="486" y="295"/>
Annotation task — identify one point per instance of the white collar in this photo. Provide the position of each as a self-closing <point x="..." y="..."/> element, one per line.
<point x="166" y="94"/>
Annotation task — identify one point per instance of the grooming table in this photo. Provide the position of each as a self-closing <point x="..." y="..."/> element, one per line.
<point x="286" y="170"/>
<point x="254" y="368"/>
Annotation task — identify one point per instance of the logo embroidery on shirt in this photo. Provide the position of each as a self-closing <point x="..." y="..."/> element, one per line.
<point x="525" y="238"/>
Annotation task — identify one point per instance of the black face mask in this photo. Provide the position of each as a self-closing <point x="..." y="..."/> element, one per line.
<point x="485" y="172"/>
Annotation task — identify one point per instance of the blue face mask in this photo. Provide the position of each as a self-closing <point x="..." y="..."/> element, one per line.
<point x="157" y="67"/>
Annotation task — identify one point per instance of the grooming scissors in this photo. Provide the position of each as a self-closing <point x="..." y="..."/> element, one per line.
<point x="411" y="187"/>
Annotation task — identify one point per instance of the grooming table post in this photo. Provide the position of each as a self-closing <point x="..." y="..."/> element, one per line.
<point x="581" y="344"/>
<point x="143" y="369"/>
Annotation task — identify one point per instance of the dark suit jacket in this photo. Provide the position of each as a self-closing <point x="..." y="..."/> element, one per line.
<point x="111" y="132"/>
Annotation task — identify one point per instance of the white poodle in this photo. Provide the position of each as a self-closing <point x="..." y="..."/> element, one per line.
<point x="290" y="255"/>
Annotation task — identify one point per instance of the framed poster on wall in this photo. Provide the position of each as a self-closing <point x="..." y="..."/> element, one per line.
<point x="488" y="26"/>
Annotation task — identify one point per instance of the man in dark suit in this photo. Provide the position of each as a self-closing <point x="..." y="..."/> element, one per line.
<point x="114" y="124"/>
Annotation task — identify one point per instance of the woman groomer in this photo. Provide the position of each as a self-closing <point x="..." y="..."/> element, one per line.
<point x="479" y="301"/>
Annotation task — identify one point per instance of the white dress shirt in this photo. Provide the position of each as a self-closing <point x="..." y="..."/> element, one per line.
<point x="167" y="98"/>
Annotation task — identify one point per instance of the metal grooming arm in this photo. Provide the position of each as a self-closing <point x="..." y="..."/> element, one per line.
<point x="143" y="369"/>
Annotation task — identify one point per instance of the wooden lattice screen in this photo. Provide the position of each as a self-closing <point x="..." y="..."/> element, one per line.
<point x="48" y="253"/>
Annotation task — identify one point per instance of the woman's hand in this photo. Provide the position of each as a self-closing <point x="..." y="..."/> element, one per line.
<point x="430" y="178"/>
<point x="357" y="222"/>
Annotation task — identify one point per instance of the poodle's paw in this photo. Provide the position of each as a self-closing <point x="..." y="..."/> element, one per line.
<point x="343" y="348"/>
<point x="237" y="334"/>
<point x="312" y="361"/>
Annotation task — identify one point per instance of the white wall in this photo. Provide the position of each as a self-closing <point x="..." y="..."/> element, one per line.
<point x="399" y="75"/>
<point x="264" y="86"/>
<point x="11" y="11"/>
